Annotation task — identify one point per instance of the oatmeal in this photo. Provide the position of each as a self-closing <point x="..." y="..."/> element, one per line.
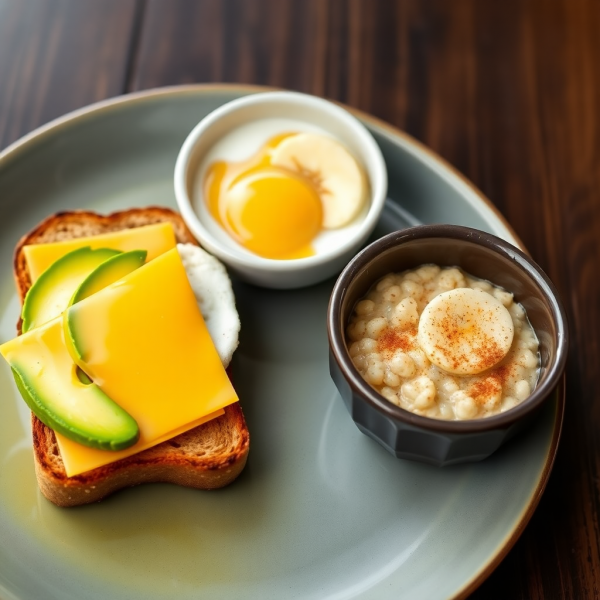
<point x="442" y="344"/>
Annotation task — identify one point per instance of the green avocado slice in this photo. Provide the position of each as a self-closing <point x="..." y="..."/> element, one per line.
<point x="48" y="381"/>
<point x="50" y="294"/>
<point x="108" y="272"/>
<point x="60" y="394"/>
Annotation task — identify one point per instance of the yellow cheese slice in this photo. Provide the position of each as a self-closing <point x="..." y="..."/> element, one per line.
<point x="144" y="342"/>
<point x="45" y="344"/>
<point x="155" y="239"/>
<point x="79" y="459"/>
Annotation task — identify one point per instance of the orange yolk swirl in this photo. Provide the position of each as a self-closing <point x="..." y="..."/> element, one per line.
<point x="272" y="211"/>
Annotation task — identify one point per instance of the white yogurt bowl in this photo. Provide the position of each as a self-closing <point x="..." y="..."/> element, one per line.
<point x="236" y="131"/>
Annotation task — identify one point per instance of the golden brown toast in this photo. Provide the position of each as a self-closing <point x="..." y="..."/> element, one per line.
<point x="206" y="457"/>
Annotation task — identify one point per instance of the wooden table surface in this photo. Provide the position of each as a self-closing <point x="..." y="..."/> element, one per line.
<point x="506" y="91"/>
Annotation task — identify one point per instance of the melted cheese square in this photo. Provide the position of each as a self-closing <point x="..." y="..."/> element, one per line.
<point x="144" y="342"/>
<point x="155" y="239"/>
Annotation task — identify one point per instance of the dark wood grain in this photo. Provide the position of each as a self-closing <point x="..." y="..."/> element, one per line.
<point x="59" y="55"/>
<point x="233" y="41"/>
<point x="508" y="92"/>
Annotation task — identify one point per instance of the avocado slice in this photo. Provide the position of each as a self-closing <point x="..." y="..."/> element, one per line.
<point x="49" y="382"/>
<point x="50" y="294"/>
<point x="61" y="394"/>
<point x="108" y="272"/>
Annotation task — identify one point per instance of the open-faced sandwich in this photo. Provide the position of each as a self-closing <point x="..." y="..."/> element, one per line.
<point x="126" y="333"/>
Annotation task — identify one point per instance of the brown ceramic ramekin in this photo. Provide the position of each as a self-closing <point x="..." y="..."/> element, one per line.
<point x="482" y="255"/>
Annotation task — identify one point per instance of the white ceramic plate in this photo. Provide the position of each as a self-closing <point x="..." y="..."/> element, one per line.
<point x="321" y="511"/>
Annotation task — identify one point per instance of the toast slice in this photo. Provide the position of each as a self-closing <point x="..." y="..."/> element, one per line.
<point x="206" y="457"/>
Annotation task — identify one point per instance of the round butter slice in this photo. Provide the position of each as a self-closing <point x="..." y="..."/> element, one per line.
<point x="337" y="176"/>
<point x="465" y="331"/>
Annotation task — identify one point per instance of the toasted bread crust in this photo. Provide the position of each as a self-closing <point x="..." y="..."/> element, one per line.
<point x="209" y="456"/>
<point x="80" y="223"/>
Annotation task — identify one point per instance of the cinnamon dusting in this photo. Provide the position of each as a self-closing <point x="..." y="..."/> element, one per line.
<point x="391" y="340"/>
<point x="487" y="351"/>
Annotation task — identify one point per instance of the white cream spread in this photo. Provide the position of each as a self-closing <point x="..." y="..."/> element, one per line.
<point x="212" y="289"/>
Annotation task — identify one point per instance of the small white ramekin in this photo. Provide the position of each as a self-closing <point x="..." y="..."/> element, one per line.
<point x="315" y="112"/>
